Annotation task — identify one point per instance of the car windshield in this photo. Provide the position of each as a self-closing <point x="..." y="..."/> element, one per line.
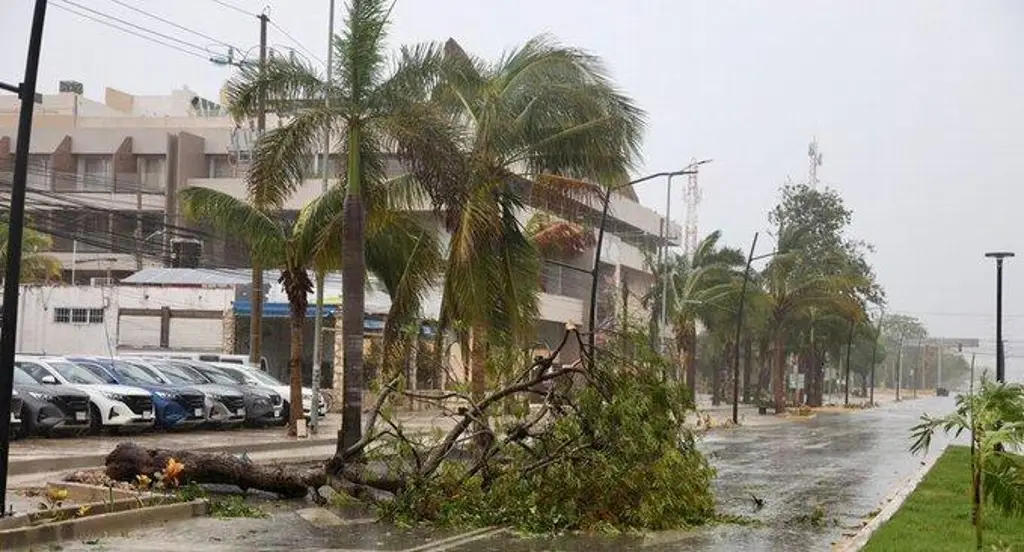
<point x="265" y="378"/>
<point x="22" y="378"/>
<point x="236" y="376"/>
<point x="181" y="373"/>
<point x="75" y="373"/>
<point x="136" y="374"/>
<point x="217" y="375"/>
<point x="97" y="371"/>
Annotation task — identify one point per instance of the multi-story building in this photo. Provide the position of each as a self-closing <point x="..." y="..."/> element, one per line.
<point x="104" y="179"/>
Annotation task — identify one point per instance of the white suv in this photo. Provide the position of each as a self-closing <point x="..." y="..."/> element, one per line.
<point x="114" y="406"/>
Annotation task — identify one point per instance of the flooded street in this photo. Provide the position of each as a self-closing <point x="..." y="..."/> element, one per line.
<point x="835" y="468"/>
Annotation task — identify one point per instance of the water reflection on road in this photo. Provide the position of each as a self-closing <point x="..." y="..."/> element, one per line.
<point x="842" y="464"/>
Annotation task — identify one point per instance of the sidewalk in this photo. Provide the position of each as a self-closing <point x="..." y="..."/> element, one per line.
<point x="39" y="455"/>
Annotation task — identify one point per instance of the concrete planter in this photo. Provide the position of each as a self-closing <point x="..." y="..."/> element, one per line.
<point x="93" y="511"/>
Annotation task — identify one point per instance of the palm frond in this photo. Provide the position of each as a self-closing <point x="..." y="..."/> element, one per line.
<point x="281" y="158"/>
<point x="290" y="84"/>
<point x="359" y="51"/>
<point x="265" y="236"/>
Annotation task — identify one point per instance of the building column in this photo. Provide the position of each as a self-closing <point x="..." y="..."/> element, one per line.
<point x="227" y="337"/>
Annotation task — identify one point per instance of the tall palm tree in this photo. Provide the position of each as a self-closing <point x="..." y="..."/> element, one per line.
<point x="378" y="109"/>
<point x="36" y="264"/>
<point x="793" y="293"/>
<point x="538" y="118"/>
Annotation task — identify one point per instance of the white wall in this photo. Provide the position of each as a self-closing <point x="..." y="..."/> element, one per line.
<point x="40" y="333"/>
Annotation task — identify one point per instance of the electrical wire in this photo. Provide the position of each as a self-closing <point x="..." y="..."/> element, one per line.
<point x="236" y="8"/>
<point x="296" y="42"/>
<point x="134" y="25"/>
<point x="129" y="31"/>
<point x="173" y="24"/>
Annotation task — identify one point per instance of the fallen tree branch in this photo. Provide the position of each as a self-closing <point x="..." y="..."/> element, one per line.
<point x="129" y="460"/>
<point x="368" y="436"/>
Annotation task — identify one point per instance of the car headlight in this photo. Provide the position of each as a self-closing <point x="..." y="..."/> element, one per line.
<point x="262" y="401"/>
<point x="115" y="397"/>
<point x="40" y="396"/>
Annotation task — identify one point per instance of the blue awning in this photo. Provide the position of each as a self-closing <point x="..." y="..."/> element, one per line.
<point x="243" y="307"/>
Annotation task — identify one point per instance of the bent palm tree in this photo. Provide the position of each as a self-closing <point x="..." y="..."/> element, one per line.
<point x="541" y="110"/>
<point x="36" y="265"/>
<point x="402" y="253"/>
<point x="379" y="109"/>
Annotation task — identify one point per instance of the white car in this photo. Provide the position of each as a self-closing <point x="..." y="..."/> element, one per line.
<point x="15" y="412"/>
<point x="114" y="406"/>
<point x="249" y="376"/>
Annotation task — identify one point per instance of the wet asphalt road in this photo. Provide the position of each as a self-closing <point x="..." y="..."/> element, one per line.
<point x="844" y="464"/>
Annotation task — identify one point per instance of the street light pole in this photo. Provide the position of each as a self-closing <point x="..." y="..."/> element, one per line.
<point x="595" y="271"/>
<point x="874" y="358"/>
<point x="739" y="331"/>
<point x="663" y="322"/>
<point x="1000" y="356"/>
<point x="16" y="226"/>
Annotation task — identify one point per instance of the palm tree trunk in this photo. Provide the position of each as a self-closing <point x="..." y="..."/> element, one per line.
<point x="690" y="363"/>
<point x="478" y="377"/>
<point x="256" y="315"/>
<point x="778" y="377"/>
<point x="318" y="346"/>
<point x="298" y="318"/>
<point x="354" y="299"/>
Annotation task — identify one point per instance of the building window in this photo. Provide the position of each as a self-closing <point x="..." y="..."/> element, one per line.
<point x="95" y="173"/>
<point x="221" y="166"/>
<point x="75" y="315"/>
<point x="151" y="172"/>
<point x="39" y="176"/>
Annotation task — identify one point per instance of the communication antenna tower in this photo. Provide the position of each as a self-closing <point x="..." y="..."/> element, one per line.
<point x="693" y="197"/>
<point x="815" y="161"/>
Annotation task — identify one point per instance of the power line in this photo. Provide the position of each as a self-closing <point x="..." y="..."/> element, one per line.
<point x="236" y="8"/>
<point x="173" y="24"/>
<point x="129" y="31"/>
<point x="130" y="24"/>
<point x="296" y="42"/>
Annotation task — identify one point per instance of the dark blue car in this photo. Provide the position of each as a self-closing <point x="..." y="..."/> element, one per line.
<point x="177" y="406"/>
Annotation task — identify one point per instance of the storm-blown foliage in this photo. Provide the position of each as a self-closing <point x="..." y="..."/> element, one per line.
<point x="612" y="454"/>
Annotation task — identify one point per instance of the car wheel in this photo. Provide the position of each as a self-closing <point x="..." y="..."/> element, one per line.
<point x="95" y="420"/>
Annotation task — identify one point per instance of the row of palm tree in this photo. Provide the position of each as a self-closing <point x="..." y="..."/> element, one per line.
<point x="474" y="139"/>
<point x="805" y="304"/>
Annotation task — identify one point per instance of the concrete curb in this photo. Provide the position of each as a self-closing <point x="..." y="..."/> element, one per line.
<point x="893" y="503"/>
<point x="99" y="524"/>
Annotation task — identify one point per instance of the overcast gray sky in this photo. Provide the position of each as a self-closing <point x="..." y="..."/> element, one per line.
<point x="918" y="106"/>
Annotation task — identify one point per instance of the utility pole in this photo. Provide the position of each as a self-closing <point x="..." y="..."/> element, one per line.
<point x="938" y="367"/>
<point x="138" y="226"/>
<point x="899" y="370"/>
<point x="1000" y="357"/>
<point x="318" y="320"/>
<point x="256" y="299"/>
<point x="663" y="323"/>
<point x="874" y="358"/>
<point x="849" y="349"/>
<point x="16" y="225"/>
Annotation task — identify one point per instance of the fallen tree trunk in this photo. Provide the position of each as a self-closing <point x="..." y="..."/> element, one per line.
<point x="129" y="460"/>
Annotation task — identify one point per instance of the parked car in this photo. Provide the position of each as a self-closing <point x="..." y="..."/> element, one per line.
<point x="50" y="409"/>
<point x="259" y="378"/>
<point x="119" y="407"/>
<point x="263" y="406"/>
<point x="177" y="406"/>
<point x="223" y="405"/>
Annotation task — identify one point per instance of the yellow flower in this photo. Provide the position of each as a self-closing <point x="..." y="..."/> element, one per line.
<point x="56" y="495"/>
<point x="143" y="481"/>
<point x="173" y="471"/>
<point x="84" y="510"/>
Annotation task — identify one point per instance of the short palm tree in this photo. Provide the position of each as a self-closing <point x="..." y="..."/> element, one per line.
<point x="700" y="288"/>
<point x="539" y="118"/>
<point x="36" y="264"/>
<point x="399" y="251"/>
<point x="994" y="418"/>
<point x="380" y="110"/>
